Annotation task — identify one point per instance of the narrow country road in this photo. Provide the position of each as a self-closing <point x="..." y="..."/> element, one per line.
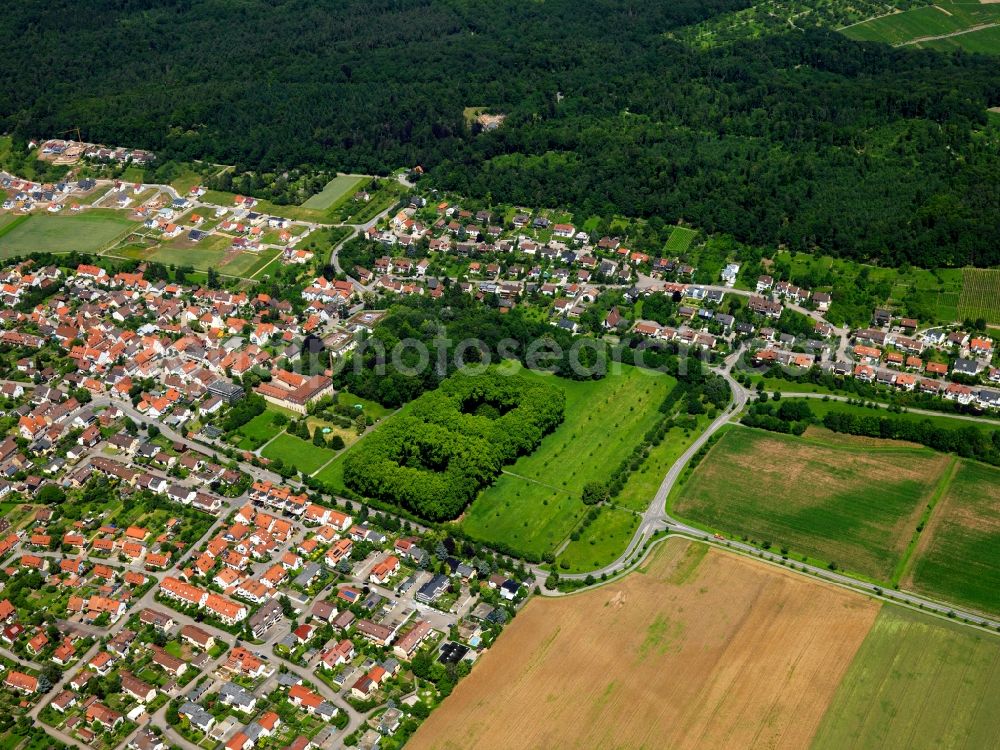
<point x="909" y="410"/>
<point x="657" y="519"/>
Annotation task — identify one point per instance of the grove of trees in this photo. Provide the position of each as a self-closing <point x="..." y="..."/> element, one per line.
<point x="453" y="441"/>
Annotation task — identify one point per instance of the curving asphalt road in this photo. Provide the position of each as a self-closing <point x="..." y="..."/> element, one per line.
<point x="656" y="519"/>
<point x="361" y="229"/>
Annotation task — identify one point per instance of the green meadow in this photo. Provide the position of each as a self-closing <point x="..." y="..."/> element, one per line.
<point x="832" y="498"/>
<point x="535" y="504"/>
<point x="62" y="233"/>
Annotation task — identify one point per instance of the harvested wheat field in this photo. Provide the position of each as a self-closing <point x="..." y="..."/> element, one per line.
<point x="701" y="649"/>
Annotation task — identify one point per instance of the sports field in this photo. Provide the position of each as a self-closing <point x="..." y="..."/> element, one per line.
<point x="980" y="294"/>
<point x="961" y="25"/>
<point x="917" y="682"/>
<point x="294" y="451"/>
<point x="337" y="188"/>
<point x="958" y="556"/>
<point x="62" y="233"/>
<point x="702" y="649"/>
<point x="842" y="500"/>
<point x="214" y="251"/>
<point x="535" y="503"/>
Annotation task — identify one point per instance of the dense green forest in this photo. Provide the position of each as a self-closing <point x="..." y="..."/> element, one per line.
<point x="805" y="139"/>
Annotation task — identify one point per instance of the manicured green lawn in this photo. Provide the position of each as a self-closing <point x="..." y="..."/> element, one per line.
<point x="63" y="233"/>
<point x="259" y="430"/>
<point x="294" y="451"/>
<point x="959" y="558"/>
<point x="536" y="503"/>
<point x="834" y="498"/>
<point x="335" y="189"/>
<point x="333" y="474"/>
<point x="601" y="542"/>
<point x="917" y="681"/>
<point x="369" y="408"/>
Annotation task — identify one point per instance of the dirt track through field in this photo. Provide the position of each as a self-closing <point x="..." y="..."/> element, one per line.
<point x="960" y="32"/>
<point x="703" y="649"/>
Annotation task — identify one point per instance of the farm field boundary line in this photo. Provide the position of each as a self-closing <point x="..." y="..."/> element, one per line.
<point x="261" y="269"/>
<point x="658" y="632"/>
<point x="970" y="30"/>
<point x="919" y="450"/>
<point x="14" y="224"/>
<point x="892" y="12"/>
<point x="934" y="608"/>
<point x="942" y="487"/>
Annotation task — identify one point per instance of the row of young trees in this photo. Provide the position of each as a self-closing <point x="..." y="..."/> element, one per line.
<point x="794" y="416"/>
<point x="968" y="441"/>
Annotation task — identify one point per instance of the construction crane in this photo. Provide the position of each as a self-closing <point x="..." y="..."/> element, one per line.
<point x="79" y="137"/>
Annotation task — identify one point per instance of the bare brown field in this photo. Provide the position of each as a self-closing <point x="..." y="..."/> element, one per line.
<point x="701" y="649"/>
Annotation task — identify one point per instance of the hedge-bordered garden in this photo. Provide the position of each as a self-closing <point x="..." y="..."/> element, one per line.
<point x="453" y="441"/>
